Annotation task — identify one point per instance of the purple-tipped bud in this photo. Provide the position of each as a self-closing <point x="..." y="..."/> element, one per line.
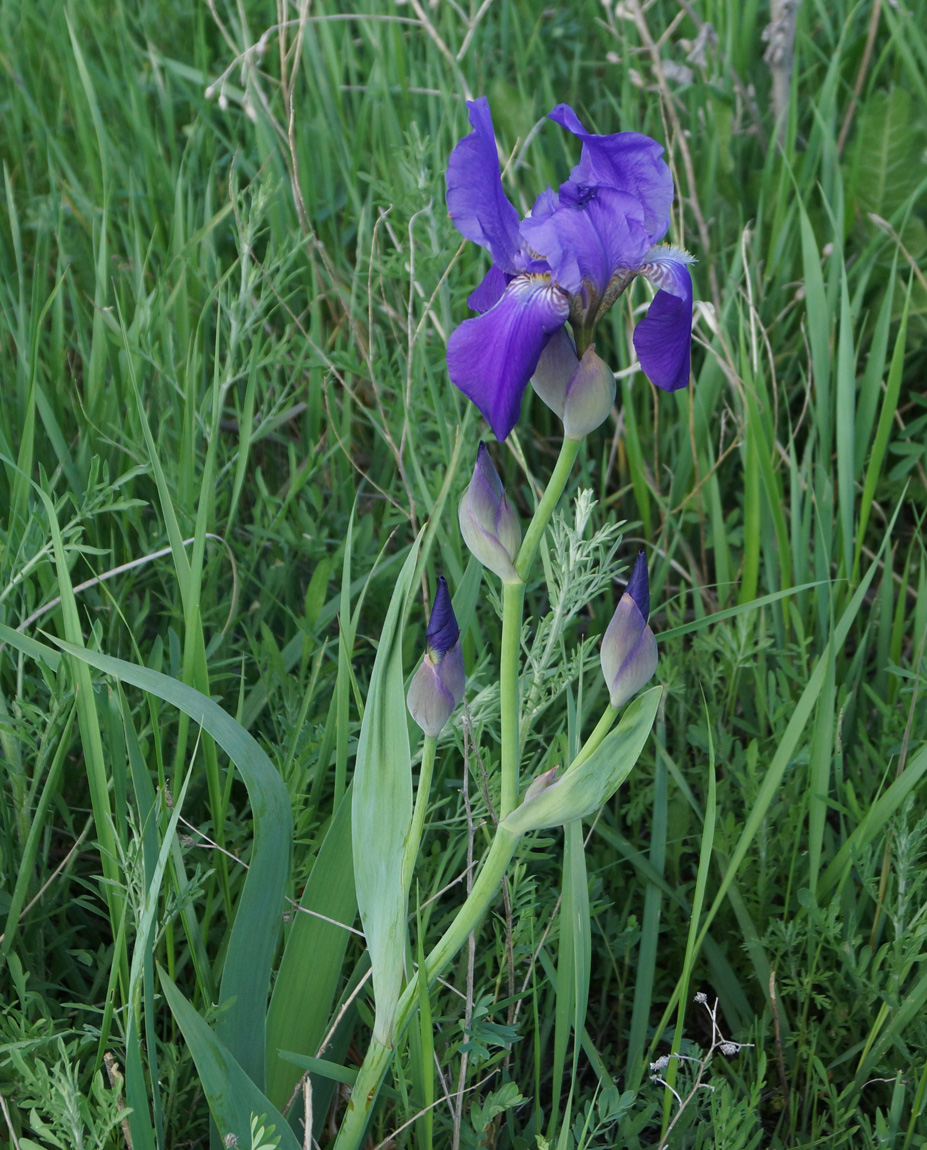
<point x="487" y="522"/>
<point x="580" y="391"/>
<point x="629" y="650"/>
<point x="442" y="632"/>
<point x="438" y="685"/>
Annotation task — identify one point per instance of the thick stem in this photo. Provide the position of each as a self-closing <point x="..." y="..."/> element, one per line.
<point x="378" y="1057"/>
<point x="549" y="500"/>
<point x="583" y="337"/>
<point x="363" y="1095"/>
<point x="414" y="837"/>
<point x="513" y="603"/>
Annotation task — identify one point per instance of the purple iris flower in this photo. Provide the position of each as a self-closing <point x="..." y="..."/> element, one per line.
<point x="570" y="259"/>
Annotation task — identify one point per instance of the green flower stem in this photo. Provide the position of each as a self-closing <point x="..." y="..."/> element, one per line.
<point x="414" y="837"/>
<point x="536" y="528"/>
<point x="602" y="727"/>
<point x="513" y="604"/>
<point x="583" y="339"/>
<point x="378" y="1057"/>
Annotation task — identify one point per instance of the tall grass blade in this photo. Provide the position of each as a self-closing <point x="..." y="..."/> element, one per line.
<point x="310" y="970"/>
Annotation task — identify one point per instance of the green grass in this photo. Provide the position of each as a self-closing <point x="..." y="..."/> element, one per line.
<point x="227" y="279"/>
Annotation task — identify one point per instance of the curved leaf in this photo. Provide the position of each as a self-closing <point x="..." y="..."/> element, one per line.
<point x="253" y="939"/>
<point x="582" y="791"/>
<point x="232" y="1096"/>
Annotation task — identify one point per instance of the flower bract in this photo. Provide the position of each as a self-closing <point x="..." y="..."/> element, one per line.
<point x="580" y="391"/>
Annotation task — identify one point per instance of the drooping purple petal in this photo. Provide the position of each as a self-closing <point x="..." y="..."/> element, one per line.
<point x="639" y="585"/>
<point x="476" y="201"/>
<point x="589" y="237"/>
<point x="489" y="292"/>
<point x="663" y="339"/>
<point x="492" y="357"/>
<point x="628" y="161"/>
<point x="442" y="631"/>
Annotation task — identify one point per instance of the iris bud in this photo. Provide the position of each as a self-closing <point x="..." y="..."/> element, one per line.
<point x="438" y="685"/>
<point x="487" y="521"/>
<point x="541" y="783"/>
<point x="629" y="650"/>
<point x="580" y="391"/>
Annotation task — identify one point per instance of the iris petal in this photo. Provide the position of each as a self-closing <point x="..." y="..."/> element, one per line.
<point x="442" y="632"/>
<point x="628" y="161"/>
<point x="639" y="585"/>
<point x="489" y="292"/>
<point x="544" y="205"/>
<point x="492" y="357"/>
<point x="590" y="237"/>
<point x="476" y="202"/>
<point x="663" y="339"/>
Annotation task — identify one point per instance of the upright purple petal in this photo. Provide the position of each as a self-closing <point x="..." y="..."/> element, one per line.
<point x="548" y="201"/>
<point x="628" y="161"/>
<point x="589" y="237"/>
<point x="476" y="202"/>
<point x="442" y="631"/>
<point x="491" y="358"/>
<point x="663" y="339"/>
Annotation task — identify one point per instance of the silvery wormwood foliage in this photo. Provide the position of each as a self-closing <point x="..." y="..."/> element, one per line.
<point x="579" y="571"/>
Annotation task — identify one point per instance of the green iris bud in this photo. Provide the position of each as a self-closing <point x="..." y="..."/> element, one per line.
<point x="488" y="523"/>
